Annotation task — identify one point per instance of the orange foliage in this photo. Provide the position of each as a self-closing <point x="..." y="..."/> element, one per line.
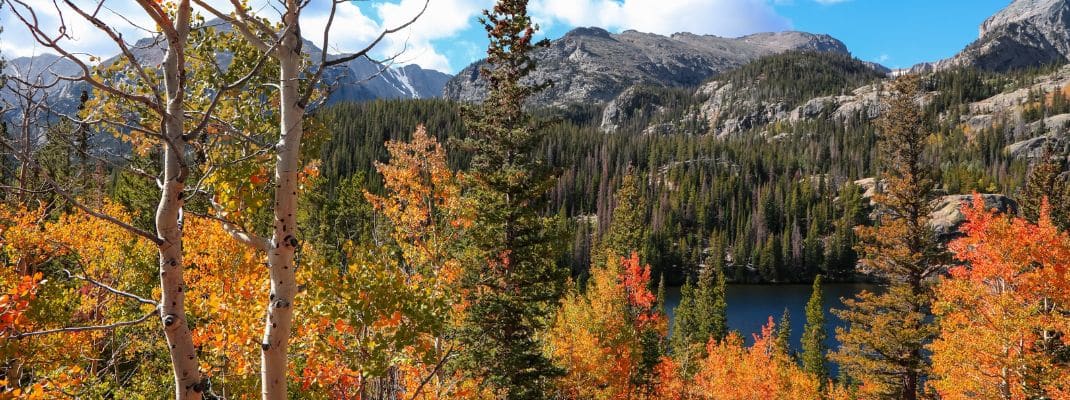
<point x="1004" y="311"/>
<point x="15" y="301"/>
<point x="597" y="336"/>
<point x="226" y="282"/>
<point x="733" y="371"/>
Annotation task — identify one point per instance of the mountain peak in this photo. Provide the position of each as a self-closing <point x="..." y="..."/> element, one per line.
<point x="589" y="31"/>
<point x="592" y="65"/>
<point x="1027" y="33"/>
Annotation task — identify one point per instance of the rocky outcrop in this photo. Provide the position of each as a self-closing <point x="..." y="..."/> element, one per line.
<point x="947" y="216"/>
<point x="1036" y="147"/>
<point x="591" y="65"/>
<point x="631" y="103"/>
<point x="1027" y="33"/>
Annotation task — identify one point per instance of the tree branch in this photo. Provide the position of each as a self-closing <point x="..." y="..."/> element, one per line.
<point x="86" y="328"/>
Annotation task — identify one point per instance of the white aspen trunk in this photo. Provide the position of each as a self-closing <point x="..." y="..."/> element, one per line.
<point x="279" y="314"/>
<point x="188" y="383"/>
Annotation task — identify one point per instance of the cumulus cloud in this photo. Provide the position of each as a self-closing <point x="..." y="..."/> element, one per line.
<point x="84" y="39"/>
<point x="444" y="19"/>
<point x="715" y="17"/>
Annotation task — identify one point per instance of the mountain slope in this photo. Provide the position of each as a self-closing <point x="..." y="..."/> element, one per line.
<point x="1025" y="34"/>
<point x="591" y="65"/>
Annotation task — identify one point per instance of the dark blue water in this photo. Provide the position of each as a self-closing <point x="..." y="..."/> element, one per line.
<point x="750" y="306"/>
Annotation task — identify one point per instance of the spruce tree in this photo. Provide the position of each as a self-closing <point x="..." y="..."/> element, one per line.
<point x="783" y="333"/>
<point x="702" y="313"/>
<point x="1045" y="183"/>
<point x="625" y="233"/>
<point x="814" y="335"/>
<point x="512" y="281"/>
<point x="884" y="343"/>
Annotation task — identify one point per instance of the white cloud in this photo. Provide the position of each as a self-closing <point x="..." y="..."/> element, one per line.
<point x="443" y="19"/>
<point x="84" y="39"/>
<point x="716" y="17"/>
<point x="352" y="30"/>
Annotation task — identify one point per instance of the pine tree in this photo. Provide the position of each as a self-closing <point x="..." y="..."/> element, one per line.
<point x="625" y="233"/>
<point x="1045" y="183"/>
<point x="702" y="314"/>
<point x="660" y="299"/>
<point x="814" y="335"/>
<point x="512" y="280"/>
<point x="884" y="344"/>
<point x="783" y="333"/>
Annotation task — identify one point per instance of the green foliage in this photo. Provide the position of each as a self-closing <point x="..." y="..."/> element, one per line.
<point x="512" y="279"/>
<point x="783" y="333"/>
<point x="701" y="315"/>
<point x="796" y="76"/>
<point x="334" y="218"/>
<point x="1046" y="182"/>
<point x="813" y="338"/>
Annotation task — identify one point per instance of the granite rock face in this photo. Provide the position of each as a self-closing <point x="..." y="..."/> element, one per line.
<point x="1027" y="33"/>
<point x="591" y="65"/>
<point x="947" y="216"/>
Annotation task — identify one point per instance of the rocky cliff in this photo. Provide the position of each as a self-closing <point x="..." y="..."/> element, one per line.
<point x="591" y="65"/>
<point x="1027" y="33"/>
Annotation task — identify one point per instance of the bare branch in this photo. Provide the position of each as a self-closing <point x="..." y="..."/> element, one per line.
<point x="78" y="204"/>
<point x="123" y="48"/>
<point x="86" y="328"/>
<point x="240" y="22"/>
<point x="29" y="18"/>
<point x="236" y="232"/>
<point x="110" y="289"/>
<point x="324" y="63"/>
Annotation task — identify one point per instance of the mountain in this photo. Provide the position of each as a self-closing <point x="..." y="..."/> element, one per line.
<point x="591" y="65"/>
<point x="1025" y="34"/>
<point x="357" y="80"/>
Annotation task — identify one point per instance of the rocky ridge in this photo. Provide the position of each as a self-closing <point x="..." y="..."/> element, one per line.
<point x="592" y="65"/>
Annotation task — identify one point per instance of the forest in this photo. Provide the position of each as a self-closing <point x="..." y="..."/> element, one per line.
<point x="212" y="228"/>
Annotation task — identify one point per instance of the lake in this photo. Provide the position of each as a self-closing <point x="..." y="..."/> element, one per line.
<point x="749" y="306"/>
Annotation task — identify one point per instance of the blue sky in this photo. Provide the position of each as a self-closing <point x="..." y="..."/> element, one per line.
<point x="896" y="33"/>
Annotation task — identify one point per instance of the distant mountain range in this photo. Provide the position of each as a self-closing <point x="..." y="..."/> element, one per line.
<point x="358" y="80"/>
<point x="591" y="65"/>
<point x="594" y="66"/>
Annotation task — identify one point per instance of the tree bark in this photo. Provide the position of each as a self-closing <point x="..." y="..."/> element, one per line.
<point x="279" y="315"/>
<point x="188" y="383"/>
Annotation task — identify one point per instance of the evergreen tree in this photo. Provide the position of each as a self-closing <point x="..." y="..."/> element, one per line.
<point x="512" y="281"/>
<point x="702" y="314"/>
<point x="1045" y="183"/>
<point x="814" y="335"/>
<point x="660" y="299"/>
<point x="883" y="346"/>
<point x="625" y="233"/>
<point x="783" y="333"/>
